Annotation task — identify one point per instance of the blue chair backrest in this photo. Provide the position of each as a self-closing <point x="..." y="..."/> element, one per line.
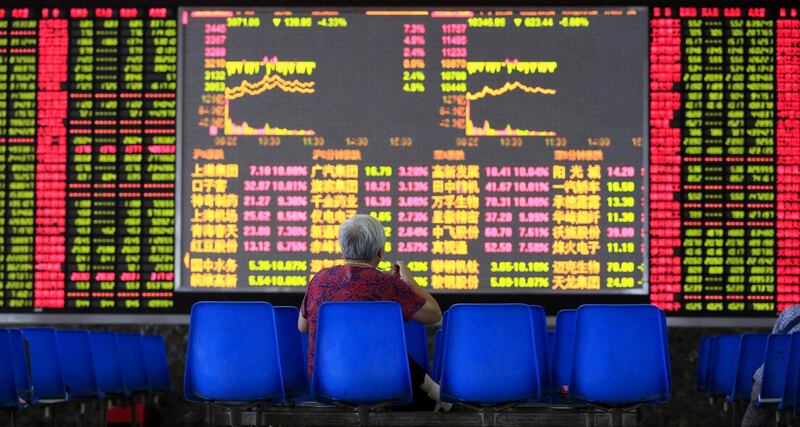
<point x="76" y="358"/>
<point x="9" y="397"/>
<point x="106" y="360"/>
<point x="620" y="355"/>
<point x="232" y="353"/>
<point x="703" y="356"/>
<point x="290" y="343"/>
<point x="722" y="365"/>
<point x="372" y="334"/>
<point x="561" y="366"/>
<point x="551" y="340"/>
<point x="46" y="375"/>
<point x="752" y="348"/>
<point x="131" y="357"/>
<point x="487" y="354"/>
<point x="667" y="356"/>
<point x="539" y="319"/>
<point x="417" y="343"/>
<point x="304" y="337"/>
<point x="790" y="390"/>
<point x="155" y="362"/>
<point x="437" y="355"/>
<point x="20" y="360"/>
<point x="776" y="367"/>
<point x="438" y="349"/>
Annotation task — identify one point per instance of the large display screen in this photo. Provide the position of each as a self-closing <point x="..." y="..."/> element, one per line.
<point x="724" y="152"/>
<point x="152" y="157"/>
<point x="87" y="158"/>
<point x="503" y="152"/>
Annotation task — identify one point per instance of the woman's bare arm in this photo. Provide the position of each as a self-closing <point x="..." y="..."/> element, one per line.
<point x="430" y="313"/>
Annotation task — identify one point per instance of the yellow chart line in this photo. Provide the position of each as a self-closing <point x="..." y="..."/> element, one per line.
<point x="269" y="82"/>
<point x="397" y="12"/>
<point x="507" y="88"/>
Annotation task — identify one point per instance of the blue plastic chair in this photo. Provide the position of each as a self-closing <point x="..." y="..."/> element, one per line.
<point x="361" y="357"/>
<point x="551" y="340"/>
<point x="304" y="337"/>
<point x="776" y="367"/>
<point x="722" y="365"/>
<point x="293" y="361"/>
<point x="417" y="343"/>
<point x="437" y="355"/>
<point x="46" y="374"/>
<point x="790" y="390"/>
<point x="620" y="356"/>
<point x="539" y="319"/>
<point x="76" y="357"/>
<point x="232" y="353"/>
<point x="703" y="357"/>
<point x="131" y="357"/>
<point x="438" y="349"/>
<point x="155" y="362"/>
<point x="106" y="361"/>
<point x="667" y="356"/>
<point x="752" y="348"/>
<point x="9" y="395"/>
<point x="488" y="350"/>
<point x="21" y="364"/>
<point x="561" y="366"/>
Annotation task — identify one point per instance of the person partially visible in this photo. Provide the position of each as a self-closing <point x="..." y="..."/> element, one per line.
<point x="787" y="323"/>
<point x="362" y="241"/>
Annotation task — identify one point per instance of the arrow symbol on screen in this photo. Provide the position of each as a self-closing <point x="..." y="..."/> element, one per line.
<point x="517" y="21"/>
<point x="276" y="21"/>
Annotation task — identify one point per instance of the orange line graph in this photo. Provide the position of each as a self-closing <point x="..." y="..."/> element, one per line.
<point x="507" y="88"/>
<point x="486" y="129"/>
<point x="269" y="82"/>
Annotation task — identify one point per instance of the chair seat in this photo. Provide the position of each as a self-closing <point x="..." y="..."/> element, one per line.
<point x="228" y="362"/>
<point x="620" y="355"/>
<point x="493" y="355"/>
<point x="361" y="357"/>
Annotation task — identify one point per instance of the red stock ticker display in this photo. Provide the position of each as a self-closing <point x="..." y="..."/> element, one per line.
<point x="87" y="158"/>
<point x="724" y="159"/>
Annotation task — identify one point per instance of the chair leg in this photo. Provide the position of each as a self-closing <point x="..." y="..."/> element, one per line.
<point x="363" y="416"/>
<point x="102" y="412"/>
<point x="49" y="416"/>
<point x="82" y="415"/>
<point x="259" y="416"/>
<point x="236" y="416"/>
<point x="589" y="417"/>
<point x="210" y="415"/>
<point x="488" y="417"/>
<point x="13" y="418"/>
<point x="616" y="417"/>
<point x="134" y="422"/>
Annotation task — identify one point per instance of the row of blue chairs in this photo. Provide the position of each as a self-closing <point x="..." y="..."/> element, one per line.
<point x="726" y="365"/>
<point x="487" y="354"/>
<point x="574" y="365"/>
<point x="43" y="366"/>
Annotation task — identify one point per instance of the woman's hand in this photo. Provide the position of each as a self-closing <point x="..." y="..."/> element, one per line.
<point x="396" y="268"/>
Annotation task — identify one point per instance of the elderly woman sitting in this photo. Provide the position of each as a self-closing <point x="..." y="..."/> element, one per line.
<point x="362" y="240"/>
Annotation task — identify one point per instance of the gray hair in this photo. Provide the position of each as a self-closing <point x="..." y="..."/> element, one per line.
<point x="361" y="237"/>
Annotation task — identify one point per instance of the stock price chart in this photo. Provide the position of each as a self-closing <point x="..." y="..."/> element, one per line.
<point x="503" y="152"/>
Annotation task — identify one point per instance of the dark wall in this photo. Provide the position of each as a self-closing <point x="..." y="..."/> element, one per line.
<point x="686" y="408"/>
